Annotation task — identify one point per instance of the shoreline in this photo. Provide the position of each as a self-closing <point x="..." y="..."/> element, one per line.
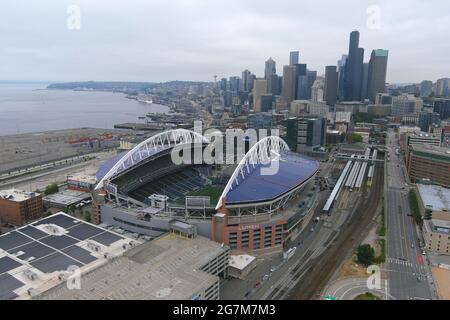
<point x="115" y="110"/>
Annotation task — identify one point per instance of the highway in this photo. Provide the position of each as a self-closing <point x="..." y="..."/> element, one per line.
<point x="408" y="271"/>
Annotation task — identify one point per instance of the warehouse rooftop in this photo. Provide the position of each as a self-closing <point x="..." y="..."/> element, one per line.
<point x="169" y="267"/>
<point x="17" y="195"/>
<point x="435" y="197"/>
<point x="43" y="254"/>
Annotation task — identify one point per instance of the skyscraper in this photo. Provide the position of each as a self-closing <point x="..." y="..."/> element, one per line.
<point x="270" y="68"/>
<point x="365" y="82"/>
<point x="426" y="88"/>
<point x="442" y="106"/>
<point x="259" y="89"/>
<point x="273" y="85"/>
<point x="312" y="76"/>
<point x="377" y="73"/>
<point x="289" y="83"/>
<point x="301" y="81"/>
<point x="245" y="80"/>
<point x="317" y="90"/>
<point x="341" y="69"/>
<point x="427" y="119"/>
<point x="331" y="82"/>
<point x="353" y="69"/>
<point x="223" y="84"/>
<point x="293" y="57"/>
<point x="234" y="83"/>
<point x="443" y="87"/>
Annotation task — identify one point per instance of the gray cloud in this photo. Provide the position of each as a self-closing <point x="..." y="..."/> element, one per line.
<point x="159" y="40"/>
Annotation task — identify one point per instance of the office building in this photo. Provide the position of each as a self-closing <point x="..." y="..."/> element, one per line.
<point x="426" y="88"/>
<point x="434" y="201"/>
<point x="319" y="108"/>
<point x="305" y="133"/>
<point x="299" y="107"/>
<point x="349" y="106"/>
<point x="223" y="84"/>
<point x="429" y="163"/>
<point x="442" y="106"/>
<point x="260" y="121"/>
<point x="301" y="82"/>
<point x="341" y="70"/>
<point x="312" y="76"/>
<point x="377" y="73"/>
<point x="422" y="138"/>
<point x="437" y="236"/>
<point x="331" y="83"/>
<point x="383" y="99"/>
<point x="427" y="119"/>
<point x="18" y="207"/>
<point x="245" y="83"/>
<point x="273" y="85"/>
<point x="293" y="57"/>
<point x="365" y="82"/>
<point x="289" y="83"/>
<point x="259" y="89"/>
<point x="267" y="101"/>
<point x="353" y="69"/>
<point x="406" y="104"/>
<point x="270" y="68"/>
<point x="443" y="87"/>
<point x="234" y="84"/>
<point x="317" y="90"/>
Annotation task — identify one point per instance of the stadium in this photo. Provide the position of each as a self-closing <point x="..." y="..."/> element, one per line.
<point x="258" y="203"/>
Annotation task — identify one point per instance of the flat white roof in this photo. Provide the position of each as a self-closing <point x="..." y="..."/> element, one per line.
<point x="67" y="197"/>
<point x="441" y="223"/>
<point x="240" y="261"/>
<point x="435" y="197"/>
<point x="17" y="195"/>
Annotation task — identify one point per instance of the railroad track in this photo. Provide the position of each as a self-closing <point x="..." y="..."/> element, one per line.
<point x="325" y="265"/>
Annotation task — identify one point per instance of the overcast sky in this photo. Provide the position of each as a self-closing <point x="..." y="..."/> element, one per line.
<point x="161" y="40"/>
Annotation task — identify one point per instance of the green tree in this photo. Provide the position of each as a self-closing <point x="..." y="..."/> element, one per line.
<point x="357" y="137"/>
<point x="87" y="216"/>
<point x="71" y="209"/>
<point x="51" y="188"/>
<point x="365" y="254"/>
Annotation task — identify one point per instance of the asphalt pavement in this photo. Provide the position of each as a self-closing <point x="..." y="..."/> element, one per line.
<point x="408" y="270"/>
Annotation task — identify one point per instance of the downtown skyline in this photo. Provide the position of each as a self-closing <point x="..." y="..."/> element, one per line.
<point x="194" y="42"/>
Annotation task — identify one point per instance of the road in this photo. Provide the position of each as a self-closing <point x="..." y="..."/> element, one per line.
<point x="353" y="230"/>
<point x="351" y="287"/>
<point x="408" y="272"/>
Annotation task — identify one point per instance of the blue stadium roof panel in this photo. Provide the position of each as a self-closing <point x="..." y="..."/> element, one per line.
<point x="294" y="169"/>
<point x="103" y="170"/>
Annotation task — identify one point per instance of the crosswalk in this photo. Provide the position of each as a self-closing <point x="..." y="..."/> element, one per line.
<point x="415" y="266"/>
<point x="401" y="262"/>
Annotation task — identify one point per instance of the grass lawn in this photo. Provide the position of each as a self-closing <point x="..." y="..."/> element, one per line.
<point x="209" y="191"/>
<point x="367" y="296"/>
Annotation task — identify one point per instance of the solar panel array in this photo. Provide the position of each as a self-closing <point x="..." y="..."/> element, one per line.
<point x="48" y="253"/>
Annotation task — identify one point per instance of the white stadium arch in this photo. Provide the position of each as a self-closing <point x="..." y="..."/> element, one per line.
<point x="261" y="153"/>
<point x="157" y="143"/>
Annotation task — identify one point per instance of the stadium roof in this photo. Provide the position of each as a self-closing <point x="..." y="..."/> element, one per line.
<point x="107" y="165"/>
<point x="33" y="257"/>
<point x="294" y="169"/>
